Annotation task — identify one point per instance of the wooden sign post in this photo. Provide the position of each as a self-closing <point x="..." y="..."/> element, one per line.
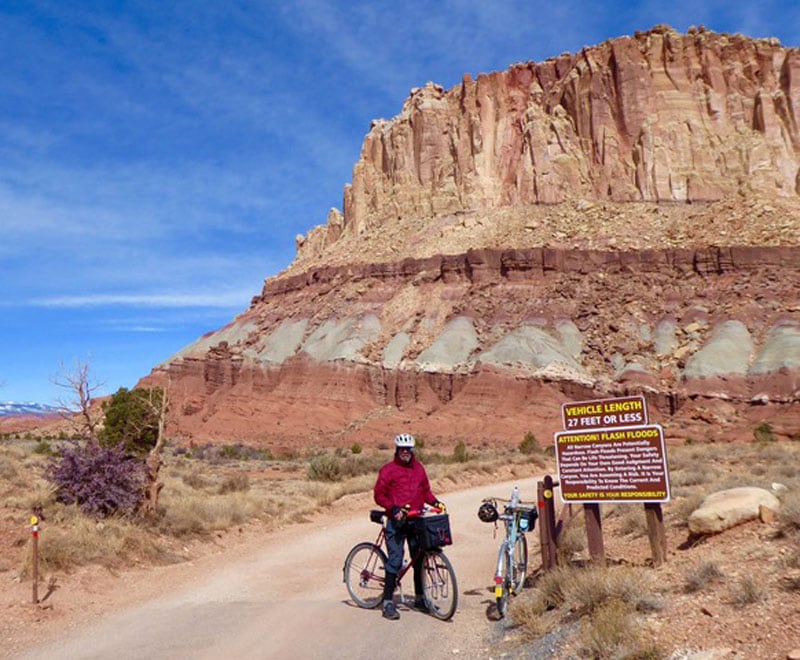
<point x="35" y="556"/>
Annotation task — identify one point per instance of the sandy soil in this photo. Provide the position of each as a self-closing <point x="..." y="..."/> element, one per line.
<point x="261" y="595"/>
<point x="254" y="594"/>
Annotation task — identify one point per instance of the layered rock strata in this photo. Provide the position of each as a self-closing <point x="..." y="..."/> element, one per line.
<point x="486" y="345"/>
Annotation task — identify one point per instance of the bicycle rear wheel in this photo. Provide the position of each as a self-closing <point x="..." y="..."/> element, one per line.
<point x="439" y="585"/>
<point x="519" y="566"/>
<point x="365" y="574"/>
<point x="502" y="581"/>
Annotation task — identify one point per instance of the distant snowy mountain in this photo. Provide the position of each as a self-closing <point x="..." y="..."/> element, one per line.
<point x="14" y="408"/>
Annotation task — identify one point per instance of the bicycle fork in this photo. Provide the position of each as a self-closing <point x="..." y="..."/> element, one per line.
<point x="439" y="584"/>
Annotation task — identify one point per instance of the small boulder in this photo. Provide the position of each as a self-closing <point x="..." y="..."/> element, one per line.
<point x="767" y="515"/>
<point x="727" y="508"/>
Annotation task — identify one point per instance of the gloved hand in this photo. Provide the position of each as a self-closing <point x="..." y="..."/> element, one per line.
<point x="400" y="513"/>
<point x="440" y="505"/>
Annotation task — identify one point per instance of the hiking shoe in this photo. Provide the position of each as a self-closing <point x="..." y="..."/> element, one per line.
<point x="421" y="606"/>
<point x="390" y="611"/>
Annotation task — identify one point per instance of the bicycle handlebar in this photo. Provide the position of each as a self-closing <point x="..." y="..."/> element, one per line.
<point x="507" y="500"/>
<point x="377" y="515"/>
<point x="418" y="513"/>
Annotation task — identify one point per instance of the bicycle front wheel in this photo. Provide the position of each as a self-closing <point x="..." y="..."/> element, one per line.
<point x="502" y="581"/>
<point x="439" y="585"/>
<point x="519" y="565"/>
<point x="365" y="574"/>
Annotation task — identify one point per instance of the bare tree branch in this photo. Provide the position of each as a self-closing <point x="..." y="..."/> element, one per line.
<point x="78" y="408"/>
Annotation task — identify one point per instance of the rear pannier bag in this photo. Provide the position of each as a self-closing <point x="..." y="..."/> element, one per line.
<point x="434" y="531"/>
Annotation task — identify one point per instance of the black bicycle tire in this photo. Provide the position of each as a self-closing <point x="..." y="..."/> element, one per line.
<point x="505" y="584"/>
<point x="443" y="615"/>
<point x="348" y="574"/>
<point x="518" y="574"/>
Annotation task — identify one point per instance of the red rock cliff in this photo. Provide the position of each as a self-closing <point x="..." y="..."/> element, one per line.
<point x="623" y="219"/>
<point x="659" y="116"/>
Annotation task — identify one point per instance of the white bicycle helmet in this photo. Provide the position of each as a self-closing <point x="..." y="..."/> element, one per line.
<point x="404" y="440"/>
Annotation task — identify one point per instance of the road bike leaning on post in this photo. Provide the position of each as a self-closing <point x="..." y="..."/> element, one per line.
<point x="365" y="566"/>
<point x="512" y="557"/>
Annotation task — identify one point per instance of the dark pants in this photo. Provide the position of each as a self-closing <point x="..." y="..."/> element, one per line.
<point x="396" y="537"/>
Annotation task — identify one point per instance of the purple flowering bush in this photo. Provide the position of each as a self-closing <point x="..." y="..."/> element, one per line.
<point x="101" y="480"/>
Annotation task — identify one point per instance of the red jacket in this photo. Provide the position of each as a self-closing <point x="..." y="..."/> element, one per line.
<point x="401" y="483"/>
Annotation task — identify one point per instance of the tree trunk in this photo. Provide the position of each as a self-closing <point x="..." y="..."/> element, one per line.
<point x="153" y="486"/>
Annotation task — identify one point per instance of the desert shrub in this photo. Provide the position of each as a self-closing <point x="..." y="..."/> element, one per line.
<point x="228" y="452"/>
<point x="101" y="480"/>
<point x="196" y="480"/>
<point x="633" y="522"/>
<point x="791" y="560"/>
<point x="530" y="613"/>
<point x="571" y="541"/>
<point x="235" y="483"/>
<point x="355" y="448"/>
<point x="44" y="448"/>
<point x="691" y="476"/>
<point x="8" y="468"/>
<point x="591" y="588"/>
<point x="789" y="514"/>
<point x="199" y="516"/>
<point x="747" y="591"/>
<point x="763" y="433"/>
<point x="701" y="575"/>
<point x="607" y="629"/>
<point x="614" y="632"/>
<point x="324" y="467"/>
<point x="239" y="452"/>
<point x="71" y="539"/>
<point x="551" y="588"/>
<point x="361" y="464"/>
<point x="460" y="453"/>
<point x="529" y="444"/>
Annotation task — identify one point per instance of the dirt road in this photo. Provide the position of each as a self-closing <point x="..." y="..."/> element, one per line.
<point x="284" y="597"/>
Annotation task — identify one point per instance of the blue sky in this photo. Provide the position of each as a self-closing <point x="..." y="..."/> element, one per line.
<point x="157" y="159"/>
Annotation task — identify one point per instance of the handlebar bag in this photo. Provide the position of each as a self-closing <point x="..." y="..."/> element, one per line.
<point x="434" y="531"/>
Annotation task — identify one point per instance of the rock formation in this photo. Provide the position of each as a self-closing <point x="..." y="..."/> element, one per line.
<point x="624" y="219"/>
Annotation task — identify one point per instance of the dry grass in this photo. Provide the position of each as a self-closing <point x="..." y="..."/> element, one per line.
<point x="607" y="612"/>
<point x="607" y="601"/>
<point x="205" y="492"/>
<point x="73" y="539"/>
<point x="699" y="576"/>
<point x="615" y="612"/>
<point x="747" y="590"/>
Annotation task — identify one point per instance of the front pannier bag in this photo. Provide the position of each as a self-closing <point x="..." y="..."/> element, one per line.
<point x="434" y="531"/>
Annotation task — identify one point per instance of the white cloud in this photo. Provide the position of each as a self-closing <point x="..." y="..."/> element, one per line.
<point x="232" y="299"/>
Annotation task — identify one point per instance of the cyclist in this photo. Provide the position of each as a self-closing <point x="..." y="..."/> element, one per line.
<point x="402" y="486"/>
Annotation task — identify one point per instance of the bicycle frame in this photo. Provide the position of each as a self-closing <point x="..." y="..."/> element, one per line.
<point x="364" y="573"/>
<point x="510" y="571"/>
<point x="380" y="543"/>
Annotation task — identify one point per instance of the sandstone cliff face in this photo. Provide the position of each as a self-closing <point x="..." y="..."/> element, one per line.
<point x="526" y="239"/>
<point x="661" y="116"/>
